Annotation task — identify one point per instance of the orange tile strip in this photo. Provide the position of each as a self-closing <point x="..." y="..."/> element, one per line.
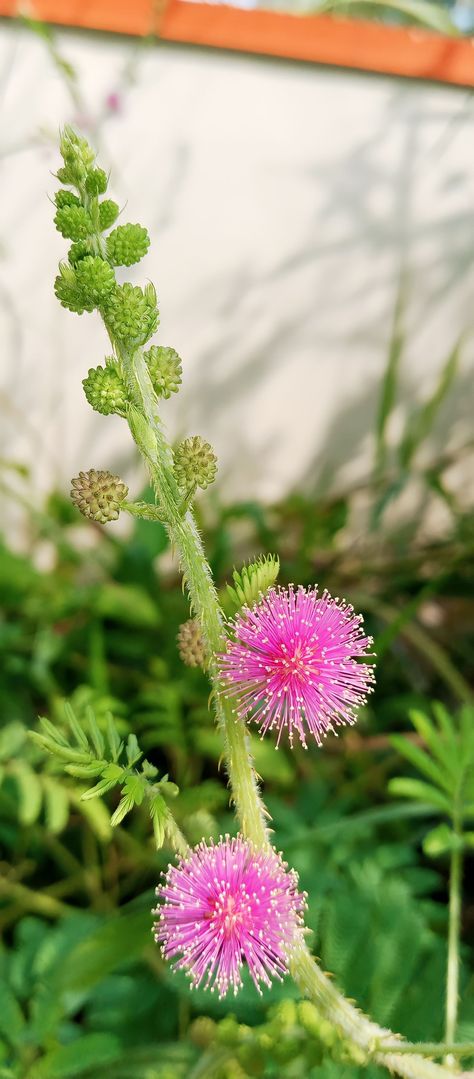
<point x="321" y="39"/>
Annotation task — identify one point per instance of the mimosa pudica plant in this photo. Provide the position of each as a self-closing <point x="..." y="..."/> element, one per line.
<point x="294" y="660"/>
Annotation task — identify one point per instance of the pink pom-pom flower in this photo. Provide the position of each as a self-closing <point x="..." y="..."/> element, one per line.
<point x="227" y="904"/>
<point x="294" y="663"/>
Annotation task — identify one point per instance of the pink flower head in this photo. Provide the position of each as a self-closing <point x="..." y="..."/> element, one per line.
<point x="294" y="663"/>
<point x="226" y="904"/>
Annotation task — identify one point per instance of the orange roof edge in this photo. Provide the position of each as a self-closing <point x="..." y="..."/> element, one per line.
<point x="321" y="39"/>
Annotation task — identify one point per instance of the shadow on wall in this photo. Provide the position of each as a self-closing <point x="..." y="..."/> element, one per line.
<point x="288" y="200"/>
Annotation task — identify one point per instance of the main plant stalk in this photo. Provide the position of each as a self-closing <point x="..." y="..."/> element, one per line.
<point x="147" y="430"/>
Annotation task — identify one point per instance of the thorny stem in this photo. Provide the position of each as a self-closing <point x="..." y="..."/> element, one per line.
<point x="146" y="427"/>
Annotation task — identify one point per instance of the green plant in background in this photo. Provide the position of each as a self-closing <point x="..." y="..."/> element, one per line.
<point x="93" y="756"/>
<point x="392" y="472"/>
<point x="445" y="760"/>
<point x="131" y="318"/>
<point x="100" y="628"/>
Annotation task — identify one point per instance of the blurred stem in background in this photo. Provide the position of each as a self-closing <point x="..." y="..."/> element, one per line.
<point x="452" y="974"/>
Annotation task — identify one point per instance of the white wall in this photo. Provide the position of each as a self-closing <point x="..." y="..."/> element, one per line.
<point x="282" y="200"/>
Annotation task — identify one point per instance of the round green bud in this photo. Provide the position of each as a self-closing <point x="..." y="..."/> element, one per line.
<point x="285" y="1015"/>
<point x="202" y="1031"/>
<point x="105" y="390"/>
<point x="73" y="222"/>
<point x="66" y="198"/>
<point x="108" y="213"/>
<point x="95" y="279"/>
<point x="195" y="463"/>
<point x="96" y="182"/>
<point x="164" y="366"/>
<point x="191" y="644"/>
<point x="311" y="1021"/>
<point x="98" y="495"/>
<point x="127" y="244"/>
<point x="132" y="314"/>
<point x="227" y="1032"/>
<point x="67" y="291"/>
<point x="77" y="251"/>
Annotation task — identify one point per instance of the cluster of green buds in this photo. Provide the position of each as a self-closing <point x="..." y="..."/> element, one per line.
<point x="87" y="282"/>
<point x="292" y="1032"/>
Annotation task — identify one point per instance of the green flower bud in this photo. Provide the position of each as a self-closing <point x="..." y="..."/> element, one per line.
<point x="78" y="158"/>
<point x="67" y="291"/>
<point x="253" y="581"/>
<point x="227" y="1032"/>
<point x="78" y="251"/>
<point x="65" y="175"/>
<point x="72" y="145"/>
<point x="311" y="1021"/>
<point x="191" y="644"/>
<point x="96" y="182"/>
<point x="108" y="213"/>
<point x="195" y="463"/>
<point x="66" y="198"/>
<point x="127" y="244"/>
<point x="98" y="495"/>
<point x="285" y="1015"/>
<point x="95" y="279"/>
<point x="73" y="222"/>
<point x="105" y="390"/>
<point x="202" y="1031"/>
<point x="131" y="313"/>
<point x="164" y="366"/>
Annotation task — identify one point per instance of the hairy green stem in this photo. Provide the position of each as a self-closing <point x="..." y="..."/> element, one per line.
<point x="432" y="1049"/>
<point x="185" y="537"/>
<point x="452" y="972"/>
<point x="355" y="1026"/>
<point x="146" y="427"/>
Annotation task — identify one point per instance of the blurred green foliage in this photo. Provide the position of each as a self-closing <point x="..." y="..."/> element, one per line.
<point x="82" y="986"/>
<point x="99" y="629"/>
